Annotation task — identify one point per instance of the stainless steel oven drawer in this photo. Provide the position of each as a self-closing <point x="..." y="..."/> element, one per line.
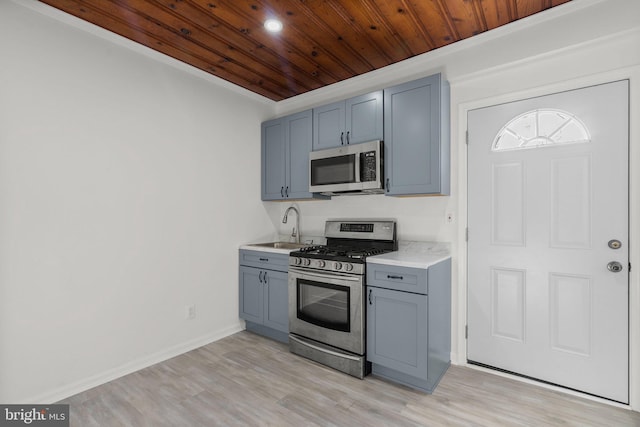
<point x="335" y="358"/>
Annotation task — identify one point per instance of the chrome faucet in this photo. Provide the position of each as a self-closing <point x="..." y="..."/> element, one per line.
<point x="296" y="230"/>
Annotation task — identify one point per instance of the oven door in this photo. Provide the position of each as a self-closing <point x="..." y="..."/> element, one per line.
<point x="327" y="307"/>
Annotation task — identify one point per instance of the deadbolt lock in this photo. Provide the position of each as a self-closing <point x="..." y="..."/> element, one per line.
<point x="614" y="244"/>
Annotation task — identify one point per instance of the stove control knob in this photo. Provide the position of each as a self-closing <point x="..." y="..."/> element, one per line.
<point x="297" y="261"/>
<point x="306" y="261"/>
<point x="321" y="263"/>
<point x="348" y="267"/>
<point x="337" y="265"/>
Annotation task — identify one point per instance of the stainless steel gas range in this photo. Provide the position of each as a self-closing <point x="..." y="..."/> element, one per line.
<point x="326" y="293"/>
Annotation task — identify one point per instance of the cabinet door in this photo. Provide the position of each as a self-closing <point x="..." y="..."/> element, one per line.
<point x="416" y="142"/>
<point x="364" y="118"/>
<point x="273" y="160"/>
<point x="276" y="300"/>
<point x="299" y="139"/>
<point x="328" y="126"/>
<point x="251" y="294"/>
<point x="397" y="331"/>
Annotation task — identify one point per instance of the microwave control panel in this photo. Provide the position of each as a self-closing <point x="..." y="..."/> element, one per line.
<point x="368" y="166"/>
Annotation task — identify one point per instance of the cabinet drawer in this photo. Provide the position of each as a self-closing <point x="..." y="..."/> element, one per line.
<point x="397" y="278"/>
<point x="262" y="259"/>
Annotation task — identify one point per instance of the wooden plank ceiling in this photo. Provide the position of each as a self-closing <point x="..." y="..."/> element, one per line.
<point x="322" y="42"/>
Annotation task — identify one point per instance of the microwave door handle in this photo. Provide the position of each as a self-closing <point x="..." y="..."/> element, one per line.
<point x="357" y="161"/>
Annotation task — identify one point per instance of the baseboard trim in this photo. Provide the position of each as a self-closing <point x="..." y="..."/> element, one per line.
<point x="68" y="390"/>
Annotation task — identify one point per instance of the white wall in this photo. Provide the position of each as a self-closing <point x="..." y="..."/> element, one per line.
<point x="580" y="43"/>
<point x="127" y="183"/>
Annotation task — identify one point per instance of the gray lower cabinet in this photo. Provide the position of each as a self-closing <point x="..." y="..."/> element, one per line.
<point x="286" y="143"/>
<point x="409" y="323"/>
<point x="355" y="120"/>
<point x="264" y="294"/>
<point x="416" y="137"/>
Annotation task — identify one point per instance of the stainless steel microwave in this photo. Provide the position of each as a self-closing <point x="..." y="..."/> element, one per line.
<point x="348" y="169"/>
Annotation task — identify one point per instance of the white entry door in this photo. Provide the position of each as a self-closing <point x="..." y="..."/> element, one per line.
<point x="548" y="264"/>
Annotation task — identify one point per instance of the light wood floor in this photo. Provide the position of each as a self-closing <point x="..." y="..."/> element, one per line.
<point x="247" y="380"/>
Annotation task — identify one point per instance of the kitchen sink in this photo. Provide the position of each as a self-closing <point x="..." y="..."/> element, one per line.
<point x="281" y="245"/>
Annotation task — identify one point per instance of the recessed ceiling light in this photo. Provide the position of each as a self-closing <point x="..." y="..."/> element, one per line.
<point x="273" y="25"/>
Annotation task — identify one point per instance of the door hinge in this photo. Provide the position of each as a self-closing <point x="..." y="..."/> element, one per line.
<point x="466" y="332"/>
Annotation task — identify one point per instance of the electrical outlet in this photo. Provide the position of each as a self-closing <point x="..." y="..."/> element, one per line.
<point x="191" y="312"/>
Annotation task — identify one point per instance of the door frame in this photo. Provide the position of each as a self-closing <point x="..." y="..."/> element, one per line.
<point x="459" y="135"/>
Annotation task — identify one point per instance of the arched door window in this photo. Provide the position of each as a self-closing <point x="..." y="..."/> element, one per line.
<point x="541" y="128"/>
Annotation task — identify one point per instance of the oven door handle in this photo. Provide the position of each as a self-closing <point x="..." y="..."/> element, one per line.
<point x="326" y="276"/>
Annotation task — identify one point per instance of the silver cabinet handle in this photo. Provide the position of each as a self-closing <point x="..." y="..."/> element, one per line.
<point x="614" y="267"/>
<point x="348" y="132"/>
<point x="260" y="276"/>
<point x="341" y="138"/>
<point x="282" y="191"/>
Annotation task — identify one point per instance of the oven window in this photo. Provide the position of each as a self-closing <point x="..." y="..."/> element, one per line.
<point x="333" y="170"/>
<point x="324" y="305"/>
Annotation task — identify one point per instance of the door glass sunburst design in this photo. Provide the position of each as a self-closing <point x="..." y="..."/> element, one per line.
<point x="541" y="128"/>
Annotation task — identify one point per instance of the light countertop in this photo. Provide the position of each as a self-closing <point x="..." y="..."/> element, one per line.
<point x="409" y="254"/>
<point x="307" y="240"/>
<point x="252" y="247"/>
<point x="414" y="254"/>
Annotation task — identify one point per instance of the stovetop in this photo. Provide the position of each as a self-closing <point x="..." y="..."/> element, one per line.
<point x="343" y="253"/>
<point x="349" y="243"/>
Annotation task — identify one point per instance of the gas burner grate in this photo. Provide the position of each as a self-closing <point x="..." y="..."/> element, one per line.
<point x="341" y="251"/>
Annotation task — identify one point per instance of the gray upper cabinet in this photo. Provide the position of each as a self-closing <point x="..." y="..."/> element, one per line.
<point x="273" y="160"/>
<point x="355" y="120"/>
<point x="286" y="143"/>
<point x="298" y="138"/>
<point x="412" y="118"/>
<point x="328" y="126"/>
<point x="416" y="137"/>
